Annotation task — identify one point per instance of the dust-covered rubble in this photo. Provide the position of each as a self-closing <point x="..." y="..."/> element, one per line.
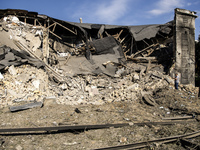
<point x="27" y="83"/>
<point x="110" y="81"/>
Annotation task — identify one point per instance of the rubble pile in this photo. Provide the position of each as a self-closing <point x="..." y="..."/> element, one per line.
<point x="13" y="29"/>
<point x="27" y="83"/>
<point x="101" y="81"/>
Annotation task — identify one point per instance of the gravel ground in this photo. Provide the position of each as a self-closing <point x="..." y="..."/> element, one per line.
<point x="52" y="114"/>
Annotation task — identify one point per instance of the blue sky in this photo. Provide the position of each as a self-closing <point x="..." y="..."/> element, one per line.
<point x="116" y="12"/>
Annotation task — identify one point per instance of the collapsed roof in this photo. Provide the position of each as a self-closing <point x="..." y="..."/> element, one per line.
<point x="138" y="32"/>
<point x="99" y="47"/>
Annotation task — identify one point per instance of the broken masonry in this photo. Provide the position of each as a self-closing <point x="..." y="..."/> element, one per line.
<point x="101" y="48"/>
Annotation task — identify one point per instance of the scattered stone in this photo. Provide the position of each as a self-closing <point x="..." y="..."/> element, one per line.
<point x="123" y="140"/>
<point x="92" y="90"/>
<point x="12" y="70"/>
<point x="50" y="100"/>
<point x="1" y="76"/>
<point x="77" y="110"/>
<point x="36" y="84"/>
<point x="133" y="87"/>
<point x="136" y="76"/>
<point x="18" y="147"/>
<point x="74" y="143"/>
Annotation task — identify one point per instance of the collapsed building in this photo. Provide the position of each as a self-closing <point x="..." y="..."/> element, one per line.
<point x="115" y="70"/>
<point x="67" y="49"/>
<point x="145" y="43"/>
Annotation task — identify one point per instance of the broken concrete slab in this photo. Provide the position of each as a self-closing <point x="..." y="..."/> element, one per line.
<point x="26" y="106"/>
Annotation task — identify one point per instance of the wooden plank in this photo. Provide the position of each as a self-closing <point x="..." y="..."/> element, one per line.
<point x="67" y="59"/>
<point x="178" y="118"/>
<point x="150" y="51"/>
<point x="45" y="45"/>
<point x="133" y="55"/>
<point x="144" y="59"/>
<point x="126" y="52"/>
<point x="35" y="22"/>
<point x="131" y="45"/>
<point x="54" y="27"/>
<point x="55" y="35"/>
<point x="69" y="45"/>
<point x="48" y="67"/>
<point x="66" y="28"/>
<point x="45" y="24"/>
<point x="123" y="38"/>
<point x="39" y="23"/>
<point x="118" y="35"/>
<point x="148" y="66"/>
<point x="26" y="106"/>
<point x="51" y="25"/>
<point x="107" y="33"/>
<point x="145" y="42"/>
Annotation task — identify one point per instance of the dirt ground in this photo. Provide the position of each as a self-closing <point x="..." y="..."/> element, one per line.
<point x="170" y="103"/>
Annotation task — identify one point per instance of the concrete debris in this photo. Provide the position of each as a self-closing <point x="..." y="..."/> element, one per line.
<point x="25" y="106"/>
<point x="31" y="83"/>
<point x="36" y="84"/>
<point x="1" y="76"/>
<point x="12" y="70"/>
<point x="68" y="144"/>
<point x="50" y="100"/>
<point x="80" y="67"/>
<point x="92" y="90"/>
<point x="123" y="140"/>
<point x="149" y="100"/>
<point x="18" y="147"/>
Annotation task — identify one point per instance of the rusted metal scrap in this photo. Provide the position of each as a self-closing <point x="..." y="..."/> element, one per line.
<point x="189" y="145"/>
<point x="88" y="127"/>
<point x="147" y="143"/>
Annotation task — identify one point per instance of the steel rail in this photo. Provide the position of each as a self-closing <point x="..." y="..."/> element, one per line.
<point x="147" y="143"/>
<point x="97" y="126"/>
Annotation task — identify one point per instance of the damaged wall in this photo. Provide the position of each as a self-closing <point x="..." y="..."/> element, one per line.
<point x="185" y="45"/>
<point x="62" y="42"/>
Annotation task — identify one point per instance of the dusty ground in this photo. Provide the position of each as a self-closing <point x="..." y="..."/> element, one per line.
<point x="170" y="103"/>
